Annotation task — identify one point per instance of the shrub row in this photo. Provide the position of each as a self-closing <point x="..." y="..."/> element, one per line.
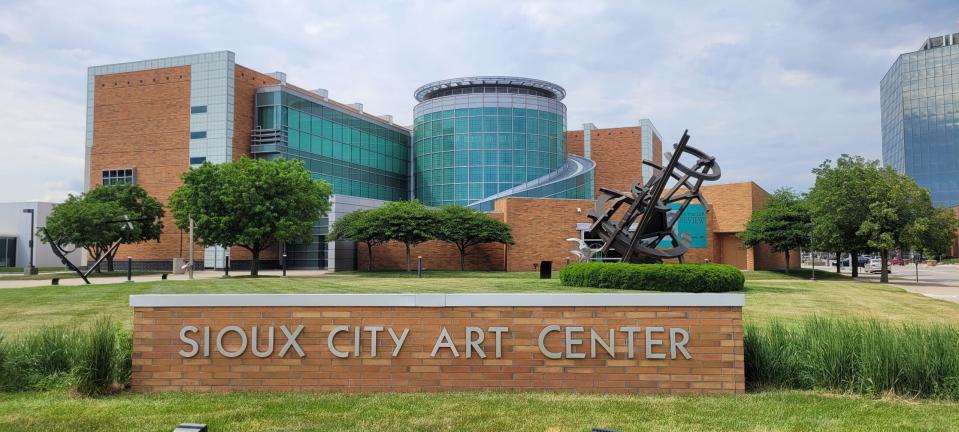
<point x="868" y="357"/>
<point x="654" y="277"/>
<point x="92" y="361"/>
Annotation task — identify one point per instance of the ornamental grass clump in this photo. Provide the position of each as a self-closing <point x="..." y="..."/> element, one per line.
<point x="654" y="277"/>
<point x="867" y="357"/>
<point x="93" y="361"/>
<point x="96" y="360"/>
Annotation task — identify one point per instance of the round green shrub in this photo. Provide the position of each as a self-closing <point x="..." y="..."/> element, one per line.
<point x="692" y="278"/>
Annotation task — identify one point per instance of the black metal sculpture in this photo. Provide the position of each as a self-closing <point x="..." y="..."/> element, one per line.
<point x="61" y="249"/>
<point x="649" y="218"/>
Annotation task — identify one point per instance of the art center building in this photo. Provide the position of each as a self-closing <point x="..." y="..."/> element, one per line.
<point x="495" y="143"/>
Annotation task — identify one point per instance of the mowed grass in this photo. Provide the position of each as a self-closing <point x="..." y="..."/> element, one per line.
<point x="768" y="411"/>
<point x="769" y="296"/>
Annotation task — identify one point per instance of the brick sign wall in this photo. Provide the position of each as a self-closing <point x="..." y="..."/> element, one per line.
<point x="622" y="343"/>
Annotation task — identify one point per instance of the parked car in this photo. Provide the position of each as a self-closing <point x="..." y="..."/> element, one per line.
<point x="875" y="266"/>
<point x="863" y="261"/>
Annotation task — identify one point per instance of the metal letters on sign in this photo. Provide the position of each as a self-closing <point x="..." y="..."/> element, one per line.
<point x="646" y="230"/>
<point x="344" y="341"/>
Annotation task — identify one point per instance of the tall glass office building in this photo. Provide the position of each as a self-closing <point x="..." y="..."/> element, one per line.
<point x="478" y="139"/>
<point x="920" y="117"/>
<point x="358" y="155"/>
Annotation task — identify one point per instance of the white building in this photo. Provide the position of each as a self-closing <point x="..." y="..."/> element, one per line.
<point x="15" y="236"/>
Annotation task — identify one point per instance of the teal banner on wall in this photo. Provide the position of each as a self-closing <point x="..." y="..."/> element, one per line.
<point x="691" y="223"/>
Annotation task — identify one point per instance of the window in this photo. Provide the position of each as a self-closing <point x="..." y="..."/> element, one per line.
<point x="196" y="135"/>
<point x="197" y="160"/>
<point x="198" y="109"/>
<point x="117" y="176"/>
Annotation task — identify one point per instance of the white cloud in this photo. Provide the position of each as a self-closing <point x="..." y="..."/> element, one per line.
<point x="771" y="88"/>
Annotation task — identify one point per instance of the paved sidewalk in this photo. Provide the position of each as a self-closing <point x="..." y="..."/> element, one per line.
<point x="206" y="274"/>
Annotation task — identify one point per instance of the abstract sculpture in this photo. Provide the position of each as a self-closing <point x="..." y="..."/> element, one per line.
<point x="650" y="210"/>
<point x="61" y="248"/>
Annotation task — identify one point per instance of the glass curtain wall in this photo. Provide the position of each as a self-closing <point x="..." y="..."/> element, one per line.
<point x="467" y="154"/>
<point x="359" y="157"/>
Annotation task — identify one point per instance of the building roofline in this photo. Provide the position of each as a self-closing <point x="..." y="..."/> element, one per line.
<point x="421" y="93"/>
<point x="339" y="106"/>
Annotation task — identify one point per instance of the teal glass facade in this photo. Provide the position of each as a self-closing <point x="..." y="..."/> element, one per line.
<point x="358" y="156"/>
<point x="919" y="99"/>
<point x="480" y="138"/>
<point x="464" y="155"/>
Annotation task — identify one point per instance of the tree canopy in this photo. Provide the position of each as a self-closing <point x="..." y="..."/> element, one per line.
<point x="80" y="220"/>
<point x="859" y="204"/>
<point x="466" y="227"/>
<point x="250" y="203"/>
<point x="360" y="226"/>
<point x="838" y="204"/>
<point x="408" y="222"/>
<point x="783" y="223"/>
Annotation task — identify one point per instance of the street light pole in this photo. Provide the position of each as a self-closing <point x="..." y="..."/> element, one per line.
<point x="31" y="269"/>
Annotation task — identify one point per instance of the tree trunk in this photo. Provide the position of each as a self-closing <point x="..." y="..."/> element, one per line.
<point x="369" y="250"/>
<point x="462" y="259"/>
<point x="407" y="257"/>
<point x="884" y="268"/>
<point x="255" y="264"/>
<point x="838" y="262"/>
<point x="787" y="261"/>
<point x="110" y="263"/>
<point x="854" y="263"/>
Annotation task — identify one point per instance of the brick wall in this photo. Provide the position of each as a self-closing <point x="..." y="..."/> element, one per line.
<point x="715" y="344"/>
<point x="618" y="153"/>
<point x="141" y="120"/>
<point x="540" y="229"/>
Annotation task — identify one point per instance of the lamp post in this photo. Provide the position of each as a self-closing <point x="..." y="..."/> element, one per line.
<point x="30" y="270"/>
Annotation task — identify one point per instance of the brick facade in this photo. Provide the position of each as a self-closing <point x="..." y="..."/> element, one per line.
<point x="142" y="121"/>
<point x="715" y="346"/>
<point x="541" y="227"/>
<point x="618" y="153"/>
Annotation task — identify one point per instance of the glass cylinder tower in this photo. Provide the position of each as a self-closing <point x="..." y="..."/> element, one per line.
<point x="477" y="139"/>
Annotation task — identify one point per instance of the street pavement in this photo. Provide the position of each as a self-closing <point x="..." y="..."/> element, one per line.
<point x="940" y="282"/>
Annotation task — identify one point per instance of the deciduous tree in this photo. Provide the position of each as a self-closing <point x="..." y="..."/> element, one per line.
<point x="83" y="220"/>
<point x="253" y="204"/>
<point x="838" y="204"/>
<point x="360" y="226"/>
<point x="408" y="222"/>
<point x="783" y="223"/>
<point x="465" y="228"/>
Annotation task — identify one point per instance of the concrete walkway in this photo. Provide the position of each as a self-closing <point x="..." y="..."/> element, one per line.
<point x="206" y="274"/>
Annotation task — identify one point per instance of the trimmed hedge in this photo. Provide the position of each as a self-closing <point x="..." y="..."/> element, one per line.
<point x="692" y="278"/>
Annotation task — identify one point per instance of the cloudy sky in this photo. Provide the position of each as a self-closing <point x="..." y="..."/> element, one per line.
<point x="771" y="88"/>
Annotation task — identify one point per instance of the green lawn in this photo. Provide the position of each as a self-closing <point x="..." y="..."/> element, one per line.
<point x="767" y="411"/>
<point x="768" y="295"/>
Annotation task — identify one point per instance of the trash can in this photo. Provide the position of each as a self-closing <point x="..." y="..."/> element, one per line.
<point x="545" y="269"/>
